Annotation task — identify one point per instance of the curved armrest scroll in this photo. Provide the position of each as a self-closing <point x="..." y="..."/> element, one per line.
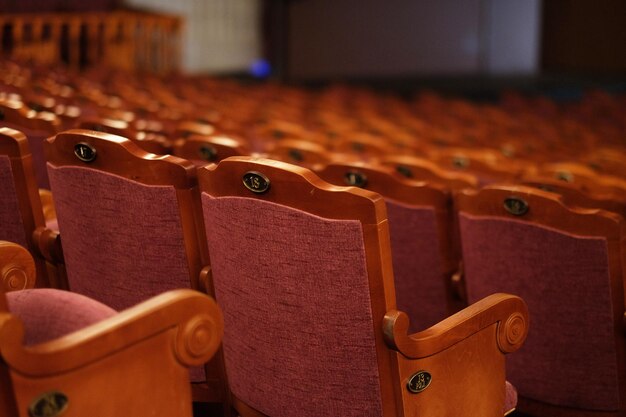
<point x="17" y="267"/>
<point x="508" y="311"/>
<point x="195" y="317"/>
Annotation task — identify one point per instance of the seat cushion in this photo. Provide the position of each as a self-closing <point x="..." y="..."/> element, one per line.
<point x="510" y="399"/>
<point x="49" y="313"/>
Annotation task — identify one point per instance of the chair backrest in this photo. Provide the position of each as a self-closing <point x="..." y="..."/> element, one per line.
<point x="67" y="354"/>
<point x="487" y="165"/>
<point x="420" y="224"/>
<point x="148" y="141"/>
<point x="581" y="174"/>
<point x="300" y="152"/>
<point x="303" y="272"/>
<point x="36" y="127"/>
<point x="566" y="263"/>
<point x="365" y="146"/>
<point x="424" y="170"/>
<point x="574" y="194"/>
<point x="286" y="250"/>
<point x="123" y="214"/>
<point x="202" y="150"/>
<point x="20" y="206"/>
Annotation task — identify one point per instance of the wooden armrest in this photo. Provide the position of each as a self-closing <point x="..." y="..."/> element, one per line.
<point x="48" y="243"/>
<point x="509" y="312"/>
<point x="132" y="364"/>
<point x="458" y="364"/>
<point x="17" y="267"/>
<point x="47" y="205"/>
<point x="193" y="318"/>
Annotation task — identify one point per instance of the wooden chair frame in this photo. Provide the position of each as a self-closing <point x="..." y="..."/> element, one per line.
<point x="382" y="180"/>
<point x="209" y="148"/>
<point x="483" y="331"/>
<point x="548" y="209"/>
<point x="588" y="178"/>
<point x="573" y="194"/>
<point x="301" y="152"/>
<point x="120" y="156"/>
<point x="484" y="163"/>
<point x="19" y="116"/>
<point x="116" y="366"/>
<point x="423" y="170"/>
<point x="15" y="146"/>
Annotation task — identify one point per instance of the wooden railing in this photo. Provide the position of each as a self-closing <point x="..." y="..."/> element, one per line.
<point x="120" y="39"/>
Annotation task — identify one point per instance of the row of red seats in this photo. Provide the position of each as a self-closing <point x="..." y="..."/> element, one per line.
<point x="351" y="155"/>
<point x="423" y="243"/>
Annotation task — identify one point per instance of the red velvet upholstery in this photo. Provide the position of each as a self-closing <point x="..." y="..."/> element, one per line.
<point x="49" y="313"/>
<point x="11" y="225"/>
<point x="419" y="280"/>
<point x="35" y="143"/>
<point x="122" y="240"/>
<point x="565" y="281"/>
<point x="294" y="343"/>
<point x="510" y="397"/>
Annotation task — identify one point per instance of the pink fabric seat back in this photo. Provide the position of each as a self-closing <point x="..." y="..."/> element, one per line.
<point x="11" y="225"/>
<point x="122" y="240"/>
<point x="48" y="313"/>
<point x="35" y="143"/>
<point x="417" y="264"/>
<point x="565" y="281"/>
<point x="297" y="312"/>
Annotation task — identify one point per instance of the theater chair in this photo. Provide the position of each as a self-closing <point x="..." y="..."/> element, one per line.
<point x="301" y="152"/>
<point x="303" y="273"/>
<point x="22" y="218"/>
<point x="127" y="220"/>
<point x="202" y="150"/>
<point x="584" y="176"/>
<point x="575" y="195"/>
<point x="66" y="354"/>
<point x="148" y="141"/>
<point x="487" y="165"/>
<point x="420" y="226"/>
<point x="36" y="127"/>
<point x="566" y="263"/>
<point x="423" y="170"/>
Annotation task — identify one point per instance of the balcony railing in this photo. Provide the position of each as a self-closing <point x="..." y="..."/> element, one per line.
<point x="120" y="39"/>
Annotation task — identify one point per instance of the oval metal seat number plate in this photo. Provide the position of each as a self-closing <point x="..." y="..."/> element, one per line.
<point x="256" y="182"/>
<point x="516" y="206"/>
<point x="419" y="382"/>
<point x="85" y="152"/>
<point x="296" y="155"/>
<point x="355" y="179"/>
<point x="404" y="171"/>
<point x="208" y="153"/>
<point x="50" y="404"/>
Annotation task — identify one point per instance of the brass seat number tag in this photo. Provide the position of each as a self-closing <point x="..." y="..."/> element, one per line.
<point x="256" y="182"/>
<point x="50" y="404"/>
<point x="355" y="179"/>
<point x="85" y="152"/>
<point x="419" y="382"/>
<point x="516" y="206"/>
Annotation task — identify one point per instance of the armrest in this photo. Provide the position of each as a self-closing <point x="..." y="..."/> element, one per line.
<point x="48" y="243"/>
<point x="47" y="205"/>
<point x="17" y="267"/>
<point x="194" y="320"/>
<point x="509" y="312"/>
